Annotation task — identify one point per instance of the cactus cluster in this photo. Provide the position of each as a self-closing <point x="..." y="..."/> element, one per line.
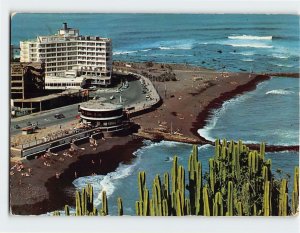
<point x="239" y="183"/>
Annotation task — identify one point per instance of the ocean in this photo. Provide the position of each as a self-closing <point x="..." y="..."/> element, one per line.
<point x="243" y="43"/>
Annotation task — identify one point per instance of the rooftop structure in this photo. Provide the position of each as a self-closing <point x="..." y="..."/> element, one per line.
<point x="69" y="54"/>
<point x="98" y="106"/>
<point x="108" y="117"/>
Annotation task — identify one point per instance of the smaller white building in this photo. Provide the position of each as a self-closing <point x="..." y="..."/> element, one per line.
<point x="63" y="83"/>
<point x="106" y="116"/>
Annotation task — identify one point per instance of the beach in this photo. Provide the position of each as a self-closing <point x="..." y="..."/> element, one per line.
<point x="186" y="105"/>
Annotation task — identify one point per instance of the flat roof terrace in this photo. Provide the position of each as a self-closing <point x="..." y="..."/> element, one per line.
<point x="96" y="105"/>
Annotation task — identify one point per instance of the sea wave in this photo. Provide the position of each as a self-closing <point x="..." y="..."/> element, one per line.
<point x="280" y="56"/>
<point x="251" y="45"/>
<point x="177" y="47"/>
<point x="282" y="65"/>
<point x="217" y="113"/>
<point x="279" y="92"/>
<point x="124" y="52"/>
<point x="106" y="182"/>
<point x="243" y="53"/>
<point x="248" y="60"/>
<point x="249" y="37"/>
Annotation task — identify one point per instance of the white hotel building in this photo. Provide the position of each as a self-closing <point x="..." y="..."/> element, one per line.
<point x="71" y="60"/>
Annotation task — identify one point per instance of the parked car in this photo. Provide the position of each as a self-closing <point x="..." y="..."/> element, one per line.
<point x="59" y="116"/>
<point x="17" y="127"/>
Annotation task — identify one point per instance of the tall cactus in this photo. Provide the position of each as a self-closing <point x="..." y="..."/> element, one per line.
<point x="218" y="205"/>
<point x="212" y="177"/>
<point x="206" y="208"/>
<point x="283" y="195"/>
<point x="266" y="201"/>
<point x="78" y="204"/>
<point x="295" y="194"/>
<point x="230" y="199"/>
<point x="120" y="206"/>
<point x="67" y="210"/>
<point x="141" y="184"/>
<point x="104" y="209"/>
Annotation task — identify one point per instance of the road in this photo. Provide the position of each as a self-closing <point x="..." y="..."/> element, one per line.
<point x="45" y="119"/>
<point x="133" y="94"/>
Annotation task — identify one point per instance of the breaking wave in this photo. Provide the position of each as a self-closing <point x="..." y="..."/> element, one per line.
<point x="251" y="45"/>
<point x="249" y="37"/>
<point x="279" y="92"/>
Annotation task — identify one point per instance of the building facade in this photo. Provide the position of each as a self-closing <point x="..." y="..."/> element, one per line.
<point x="69" y="54"/>
<point x="27" y="80"/>
<point x="109" y="117"/>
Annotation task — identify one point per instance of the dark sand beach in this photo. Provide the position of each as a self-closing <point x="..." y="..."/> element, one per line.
<point x="186" y="105"/>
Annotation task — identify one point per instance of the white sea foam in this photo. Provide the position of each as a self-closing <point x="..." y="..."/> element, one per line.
<point x="281" y="56"/>
<point x="212" y="122"/>
<point x="249" y="60"/>
<point x="217" y="113"/>
<point x="204" y="146"/>
<point x="249" y="37"/>
<point x="145" y="50"/>
<point x="279" y="92"/>
<point x="176" y="47"/>
<point x="282" y="65"/>
<point x="251" y="45"/>
<point x="243" y="53"/>
<point x="124" y="52"/>
<point x="106" y="182"/>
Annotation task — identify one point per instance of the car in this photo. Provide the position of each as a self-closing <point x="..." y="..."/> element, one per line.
<point x="17" y="127"/>
<point x="28" y="123"/>
<point x="59" y="116"/>
<point x="112" y="97"/>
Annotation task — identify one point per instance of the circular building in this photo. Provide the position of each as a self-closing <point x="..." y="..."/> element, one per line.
<point x="106" y="116"/>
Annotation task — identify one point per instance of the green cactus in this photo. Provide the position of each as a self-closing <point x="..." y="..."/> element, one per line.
<point x="212" y="177"/>
<point x="152" y="210"/>
<point x="230" y="199"/>
<point x="78" y="204"/>
<point x="239" y="209"/>
<point x="67" y="210"/>
<point x="187" y="207"/>
<point x="283" y="195"/>
<point x="104" y="209"/>
<point x="120" y="206"/>
<point x="266" y="201"/>
<point x="174" y="174"/>
<point x="218" y="205"/>
<point x="56" y="213"/>
<point x="166" y="185"/>
<point x="141" y="184"/>
<point x="206" y="202"/>
<point x="179" y="204"/>
<point x="217" y="148"/>
<point x="262" y="150"/>
<point x="295" y="194"/>
<point x="137" y="208"/>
